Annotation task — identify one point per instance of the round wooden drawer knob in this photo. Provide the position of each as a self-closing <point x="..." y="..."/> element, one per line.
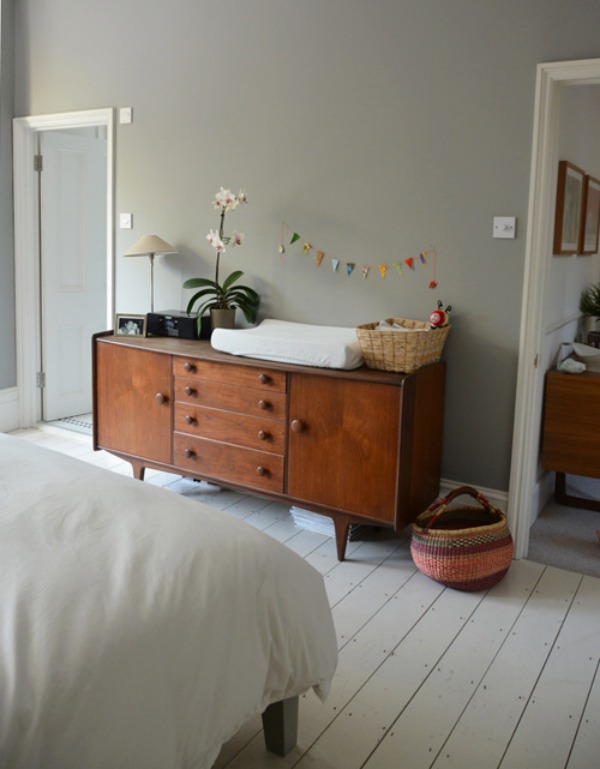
<point x="264" y="379"/>
<point x="189" y="453"/>
<point x="190" y="391"/>
<point x="160" y="398"/>
<point x="264" y="405"/>
<point x="263" y="435"/>
<point x="189" y="419"/>
<point x="187" y="366"/>
<point x="297" y="426"/>
<point x="260" y="470"/>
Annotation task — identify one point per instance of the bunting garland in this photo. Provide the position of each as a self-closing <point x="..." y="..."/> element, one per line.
<point x="425" y="257"/>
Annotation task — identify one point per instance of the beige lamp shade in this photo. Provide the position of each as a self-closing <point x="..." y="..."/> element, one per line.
<point x="150" y="245"/>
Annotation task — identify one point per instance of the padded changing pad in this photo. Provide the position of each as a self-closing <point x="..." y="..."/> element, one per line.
<point x="300" y="343"/>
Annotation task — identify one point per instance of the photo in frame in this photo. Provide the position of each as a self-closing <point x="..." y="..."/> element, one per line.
<point x="130" y="325"/>
<point x="590" y="220"/>
<point x="569" y="197"/>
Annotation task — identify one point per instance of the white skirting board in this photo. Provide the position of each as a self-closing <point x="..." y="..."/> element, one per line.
<point x="9" y="409"/>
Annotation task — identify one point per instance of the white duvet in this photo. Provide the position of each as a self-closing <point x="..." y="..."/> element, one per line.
<point x="139" y="629"/>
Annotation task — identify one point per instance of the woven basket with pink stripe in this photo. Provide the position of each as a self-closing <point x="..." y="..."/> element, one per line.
<point x="463" y="547"/>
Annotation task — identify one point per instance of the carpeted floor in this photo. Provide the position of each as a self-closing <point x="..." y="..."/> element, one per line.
<point x="566" y="536"/>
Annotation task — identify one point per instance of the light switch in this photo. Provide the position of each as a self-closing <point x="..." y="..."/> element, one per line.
<point x="505" y="227"/>
<point x="125" y="221"/>
<point x="126" y="115"/>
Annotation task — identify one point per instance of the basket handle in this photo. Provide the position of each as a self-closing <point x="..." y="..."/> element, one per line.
<point x="440" y="505"/>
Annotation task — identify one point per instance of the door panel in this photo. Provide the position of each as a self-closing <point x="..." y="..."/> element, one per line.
<point x="133" y="403"/>
<point x="343" y="444"/>
<point x="73" y="267"/>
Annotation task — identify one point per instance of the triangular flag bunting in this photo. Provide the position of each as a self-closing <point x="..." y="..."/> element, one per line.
<point x="424" y="257"/>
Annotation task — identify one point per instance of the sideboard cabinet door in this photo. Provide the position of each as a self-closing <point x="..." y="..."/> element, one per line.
<point x="133" y="401"/>
<point x="343" y="444"/>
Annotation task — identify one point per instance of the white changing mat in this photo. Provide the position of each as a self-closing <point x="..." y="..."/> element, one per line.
<point x="299" y="343"/>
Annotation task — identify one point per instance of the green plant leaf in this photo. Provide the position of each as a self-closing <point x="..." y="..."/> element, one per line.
<point x="197" y="282"/>
<point x="589" y="303"/>
<point x="231" y="279"/>
<point x="223" y="296"/>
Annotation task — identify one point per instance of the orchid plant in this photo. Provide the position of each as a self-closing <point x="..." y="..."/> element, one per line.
<point x="228" y="295"/>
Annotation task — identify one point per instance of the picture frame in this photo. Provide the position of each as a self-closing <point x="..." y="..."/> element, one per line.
<point x="590" y="219"/>
<point x="569" y="197"/>
<point x="130" y="325"/>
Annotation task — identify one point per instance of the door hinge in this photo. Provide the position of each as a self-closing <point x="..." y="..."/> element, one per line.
<point x="37" y="163"/>
<point x="40" y="380"/>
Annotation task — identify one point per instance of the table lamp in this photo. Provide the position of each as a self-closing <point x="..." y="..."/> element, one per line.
<point x="149" y="246"/>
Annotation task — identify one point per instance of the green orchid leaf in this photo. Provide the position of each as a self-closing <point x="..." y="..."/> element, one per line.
<point x="228" y="295"/>
<point x="231" y="279"/>
<point x="198" y="282"/>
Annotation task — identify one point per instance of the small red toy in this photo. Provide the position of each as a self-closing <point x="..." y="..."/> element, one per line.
<point x="440" y="317"/>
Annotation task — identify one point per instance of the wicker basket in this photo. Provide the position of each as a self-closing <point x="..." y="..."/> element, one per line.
<point x="398" y="350"/>
<point x="467" y="548"/>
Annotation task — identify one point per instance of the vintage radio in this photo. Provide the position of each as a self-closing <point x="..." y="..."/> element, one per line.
<point x="172" y="323"/>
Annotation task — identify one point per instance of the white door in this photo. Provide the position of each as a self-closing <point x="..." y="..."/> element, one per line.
<point x="73" y="267"/>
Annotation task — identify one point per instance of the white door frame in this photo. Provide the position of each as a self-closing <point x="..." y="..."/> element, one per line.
<point x="27" y="241"/>
<point x="530" y="378"/>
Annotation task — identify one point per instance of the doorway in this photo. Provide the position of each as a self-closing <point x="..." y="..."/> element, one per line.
<point x="72" y="193"/>
<point x="524" y="491"/>
<point x="63" y="346"/>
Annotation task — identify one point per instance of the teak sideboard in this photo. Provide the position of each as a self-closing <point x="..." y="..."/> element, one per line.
<point x="360" y="446"/>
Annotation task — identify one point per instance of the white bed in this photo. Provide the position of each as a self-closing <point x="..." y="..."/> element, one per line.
<point x="139" y="628"/>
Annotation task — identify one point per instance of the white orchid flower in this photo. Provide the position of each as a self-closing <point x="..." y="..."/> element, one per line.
<point x="236" y="238"/>
<point x="215" y="241"/>
<point x="225" y="199"/>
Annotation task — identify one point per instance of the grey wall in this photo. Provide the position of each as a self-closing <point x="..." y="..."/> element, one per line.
<point x="375" y="128"/>
<point x="7" y="274"/>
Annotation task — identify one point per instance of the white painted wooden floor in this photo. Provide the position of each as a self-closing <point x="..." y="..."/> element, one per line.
<point x="428" y="677"/>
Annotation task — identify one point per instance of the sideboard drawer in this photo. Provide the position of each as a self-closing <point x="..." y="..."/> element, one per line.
<point x="230" y="397"/>
<point x="244" y="376"/>
<point x="233" y="464"/>
<point x="258" y="433"/>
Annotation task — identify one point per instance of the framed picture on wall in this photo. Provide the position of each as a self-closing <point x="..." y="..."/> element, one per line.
<point x="130" y="325"/>
<point x="590" y="220"/>
<point x="569" y="198"/>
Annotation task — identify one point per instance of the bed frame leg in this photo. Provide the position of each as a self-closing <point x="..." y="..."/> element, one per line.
<point x="280" y="726"/>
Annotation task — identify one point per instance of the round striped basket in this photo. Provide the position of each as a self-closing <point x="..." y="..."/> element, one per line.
<point x="463" y="547"/>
